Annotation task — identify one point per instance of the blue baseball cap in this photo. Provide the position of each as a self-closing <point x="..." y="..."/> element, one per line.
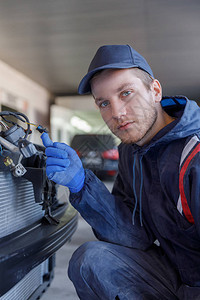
<point x="113" y="57"/>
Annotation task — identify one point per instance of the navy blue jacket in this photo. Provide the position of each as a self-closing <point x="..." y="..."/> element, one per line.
<point x="142" y="207"/>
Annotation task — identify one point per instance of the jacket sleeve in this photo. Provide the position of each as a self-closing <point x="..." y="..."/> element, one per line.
<point x="109" y="216"/>
<point x="190" y="197"/>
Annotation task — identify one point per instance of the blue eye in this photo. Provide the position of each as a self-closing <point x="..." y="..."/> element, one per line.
<point x="103" y="104"/>
<point x="124" y="94"/>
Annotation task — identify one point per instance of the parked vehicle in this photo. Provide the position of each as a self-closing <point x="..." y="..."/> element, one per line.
<point x="98" y="152"/>
<point x="34" y="222"/>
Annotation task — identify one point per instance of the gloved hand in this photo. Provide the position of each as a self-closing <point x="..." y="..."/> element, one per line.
<point x="63" y="165"/>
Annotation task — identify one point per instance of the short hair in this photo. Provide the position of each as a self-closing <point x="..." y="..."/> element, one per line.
<point x="145" y="77"/>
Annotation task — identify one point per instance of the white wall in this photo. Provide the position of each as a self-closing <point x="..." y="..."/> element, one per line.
<point x="24" y="95"/>
<point x="83" y="103"/>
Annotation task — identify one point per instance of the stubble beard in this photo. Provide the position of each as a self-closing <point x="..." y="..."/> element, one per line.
<point x="133" y="137"/>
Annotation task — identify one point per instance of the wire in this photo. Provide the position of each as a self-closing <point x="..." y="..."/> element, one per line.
<point x="31" y="124"/>
<point x="23" y="118"/>
<point x="4" y="124"/>
<point x="19" y="116"/>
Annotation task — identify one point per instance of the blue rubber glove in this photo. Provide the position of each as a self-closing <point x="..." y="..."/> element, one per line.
<point x="63" y="165"/>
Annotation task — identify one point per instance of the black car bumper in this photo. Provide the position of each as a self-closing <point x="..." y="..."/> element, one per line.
<point x="23" y="250"/>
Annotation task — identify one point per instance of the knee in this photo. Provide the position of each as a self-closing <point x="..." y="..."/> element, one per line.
<point x="88" y="258"/>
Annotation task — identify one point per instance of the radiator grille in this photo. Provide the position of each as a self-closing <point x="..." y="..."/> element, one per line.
<point x="25" y="288"/>
<point x="45" y="267"/>
<point x="17" y="204"/>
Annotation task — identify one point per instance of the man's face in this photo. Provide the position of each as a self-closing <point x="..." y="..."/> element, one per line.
<point x="126" y="105"/>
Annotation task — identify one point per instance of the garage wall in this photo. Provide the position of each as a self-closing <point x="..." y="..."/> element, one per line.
<point x="83" y="103"/>
<point x="22" y="94"/>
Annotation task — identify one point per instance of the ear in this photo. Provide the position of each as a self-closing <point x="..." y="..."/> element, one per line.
<point x="157" y="90"/>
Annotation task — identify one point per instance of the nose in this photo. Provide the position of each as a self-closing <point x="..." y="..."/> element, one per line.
<point x="118" y="110"/>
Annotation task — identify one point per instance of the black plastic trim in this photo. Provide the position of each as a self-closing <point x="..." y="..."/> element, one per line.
<point x="28" y="248"/>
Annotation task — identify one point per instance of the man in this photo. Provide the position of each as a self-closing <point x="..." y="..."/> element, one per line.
<point x="148" y="227"/>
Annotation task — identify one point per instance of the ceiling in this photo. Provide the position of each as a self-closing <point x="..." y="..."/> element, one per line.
<point x="53" y="41"/>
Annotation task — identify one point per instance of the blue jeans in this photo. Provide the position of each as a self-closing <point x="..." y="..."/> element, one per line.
<point x="101" y="270"/>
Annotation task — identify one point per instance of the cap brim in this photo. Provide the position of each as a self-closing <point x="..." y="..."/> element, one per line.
<point x="84" y="86"/>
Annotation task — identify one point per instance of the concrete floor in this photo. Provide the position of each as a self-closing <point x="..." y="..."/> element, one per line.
<point x="61" y="287"/>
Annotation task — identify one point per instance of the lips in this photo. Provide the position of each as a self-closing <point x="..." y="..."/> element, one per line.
<point x="125" y="125"/>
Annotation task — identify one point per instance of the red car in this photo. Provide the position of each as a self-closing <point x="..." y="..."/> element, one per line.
<point x="98" y="152"/>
